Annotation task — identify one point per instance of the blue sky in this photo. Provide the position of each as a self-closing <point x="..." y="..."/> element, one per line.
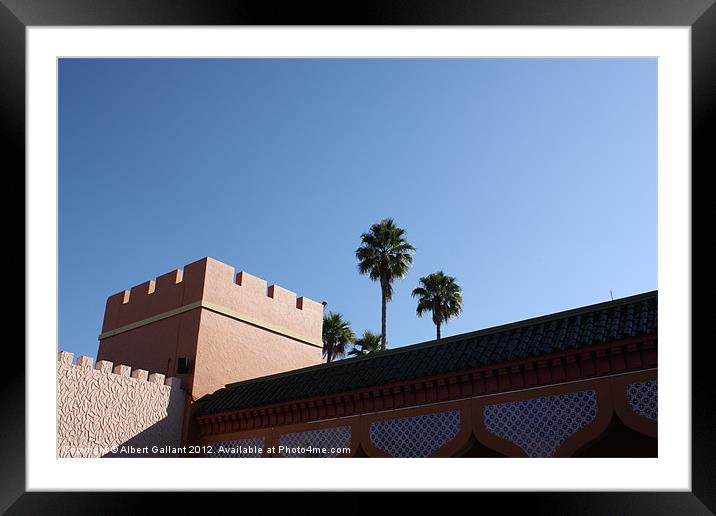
<point x="533" y="181"/>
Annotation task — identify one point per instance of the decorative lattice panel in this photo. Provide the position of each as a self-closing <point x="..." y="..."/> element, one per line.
<point x="418" y="436"/>
<point x="642" y="398"/>
<point x="239" y="448"/>
<point x="311" y="442"/>
<point x="540" y="425"/>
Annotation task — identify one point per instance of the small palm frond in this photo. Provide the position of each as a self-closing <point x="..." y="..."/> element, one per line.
<point x="439" y="294"/>
<point x="337" y="335"/>
<point x="369" y="342"/>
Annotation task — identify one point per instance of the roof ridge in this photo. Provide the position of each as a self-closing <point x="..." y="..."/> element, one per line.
<point x="463" y="336"/>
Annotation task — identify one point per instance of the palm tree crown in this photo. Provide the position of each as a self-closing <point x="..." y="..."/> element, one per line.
<point x="369" y="342"/>
<point x="337" y="334"/>
<point x="441" y="295"/>
<point x="384" y="254"/>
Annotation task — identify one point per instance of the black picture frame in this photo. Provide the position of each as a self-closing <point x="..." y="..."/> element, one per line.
<point x="700" y="15"/>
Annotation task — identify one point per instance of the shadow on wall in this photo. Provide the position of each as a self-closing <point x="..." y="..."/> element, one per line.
<point x="159" y="440"/>
<point x="114" y="407"/>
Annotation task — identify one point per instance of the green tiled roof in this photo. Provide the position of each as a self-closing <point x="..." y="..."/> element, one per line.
<point x="573" y="329"/>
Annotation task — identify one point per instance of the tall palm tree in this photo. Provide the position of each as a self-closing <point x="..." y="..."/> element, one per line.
<point x="337" y="334"/>
<point x="369" y="342"/>
<point x="384" y="254"/>
<point x="441" y="295"/>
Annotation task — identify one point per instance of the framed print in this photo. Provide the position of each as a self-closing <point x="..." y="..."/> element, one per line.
<point x="432" y="236"/>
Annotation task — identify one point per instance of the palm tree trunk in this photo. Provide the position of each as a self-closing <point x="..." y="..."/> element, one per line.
<point x="436" y="317"/>
<point x="383" y="318"/>
<point x="383" y="313"/>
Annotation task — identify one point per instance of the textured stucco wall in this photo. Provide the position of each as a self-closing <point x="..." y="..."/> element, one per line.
<point x="98" y="409"/>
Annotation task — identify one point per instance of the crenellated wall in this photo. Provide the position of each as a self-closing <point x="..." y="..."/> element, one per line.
<point x="105" y="407"/>
<point x="232" y="327"/>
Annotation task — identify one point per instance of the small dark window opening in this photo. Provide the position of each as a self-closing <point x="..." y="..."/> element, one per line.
<point x="182" y="365"/>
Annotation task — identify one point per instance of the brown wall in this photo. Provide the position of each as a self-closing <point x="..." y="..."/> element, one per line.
<point x="156" y="346"/>
<point x="231" y="326"/>
<point x="611" y="397"/>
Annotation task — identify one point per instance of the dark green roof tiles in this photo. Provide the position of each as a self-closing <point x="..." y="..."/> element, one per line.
<point x="573" y="329"/>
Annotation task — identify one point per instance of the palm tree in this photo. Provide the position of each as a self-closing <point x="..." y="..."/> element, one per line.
<point x="440" y="295"/>
<point x="337" y="334"/>
<point x="368" y="343"/>
<point x="384" y="254"/>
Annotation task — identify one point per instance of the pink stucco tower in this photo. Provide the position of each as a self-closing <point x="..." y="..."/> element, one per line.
<point x="209" y="326"/>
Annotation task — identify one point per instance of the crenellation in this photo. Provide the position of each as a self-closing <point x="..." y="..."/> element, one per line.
<point x="304" y="303"/>
<point x="138" y="292"/>
<point x="112" y="309"/>
<point x="64" y="358"/>
<point x="168" y="292"/>
<point x="195" y="279"/>
<point x="153" y="297"/>
<point x="282" y="295"/>
<point x="122" y="370"/>
<point x="168" y="281"/>
<point x="215" y="282"/>
<point x="156" y="378"/>
<point x="141" y="299"/>
<point x="104" y="366"/>
<point x="85" y="361"/>
<point x="140" y="374"/>
<point x="251" y="283"/>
